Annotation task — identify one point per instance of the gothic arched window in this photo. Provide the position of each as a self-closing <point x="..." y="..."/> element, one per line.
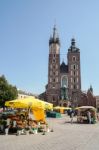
<point x="64" y="82"/>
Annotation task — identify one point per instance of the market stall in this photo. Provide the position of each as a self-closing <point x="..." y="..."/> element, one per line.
<point x="36" y="105"/>
<point x="86" y="114"/>
<point x="21" y="125"/>
<point x="61" y="109"/>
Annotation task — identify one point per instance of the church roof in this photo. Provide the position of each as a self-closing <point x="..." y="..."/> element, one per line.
<point x="63" y="68"/>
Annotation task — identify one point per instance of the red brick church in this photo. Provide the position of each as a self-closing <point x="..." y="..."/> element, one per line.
<point x="64" y="80"/>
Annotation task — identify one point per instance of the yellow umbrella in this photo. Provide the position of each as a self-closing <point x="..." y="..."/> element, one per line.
<point x="57" y="107"/>
<point x="61" y="109"/>
<point x="48" y="106"/>
<point x="25" y="103"/>
<point x="67" y="108"/>
<point x="36" y="105"/>
<point x="29" y="102"/>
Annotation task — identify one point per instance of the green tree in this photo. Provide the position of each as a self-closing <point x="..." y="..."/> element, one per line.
<point x="7" y="91"/>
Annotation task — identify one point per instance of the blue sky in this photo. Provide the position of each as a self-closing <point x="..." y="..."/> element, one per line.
<point x="25" y="28"/>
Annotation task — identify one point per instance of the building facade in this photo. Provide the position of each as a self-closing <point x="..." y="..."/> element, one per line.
<point x="24" y="94"/>
<point x="64" y="80"/>
<point x="88" y="98"/>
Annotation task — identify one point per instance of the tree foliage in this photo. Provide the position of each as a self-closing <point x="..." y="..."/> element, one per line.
<point x="7" y="91"/>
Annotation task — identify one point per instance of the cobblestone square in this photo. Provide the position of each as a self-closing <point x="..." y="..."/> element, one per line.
<point x="66" y="136"/>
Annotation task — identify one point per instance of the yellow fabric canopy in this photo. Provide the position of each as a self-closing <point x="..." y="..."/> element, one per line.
<point x="25" y="103"/>
<point x="48" y="106"/>
<point x="29" y="102"/>
<point x="61" y="109"/>
<point x="39" y="114"/>
<point x="36" y="105"/>
<point x="57" y="107"/>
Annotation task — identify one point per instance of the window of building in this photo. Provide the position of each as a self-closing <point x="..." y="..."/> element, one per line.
<point x="53" y="60"/>
<point x="74" y="73"/>
<point x="77" y="73"/>
<point x="74" y="58"/>
<point x="74" y="80"/>
<point x="74" y="86"/>
<point x="77" y="86"/>
<point x="53" y="99"/>
<point x="74" y="66"/>
<point x="71" y="79"/>
<point x="54" y="55"/>
<point x="64" y="81"/>
<point x="77" y="80"/>
<point x="71" y="86"/>
<point x="71" y="73"/>
<point x="56" y="79"/>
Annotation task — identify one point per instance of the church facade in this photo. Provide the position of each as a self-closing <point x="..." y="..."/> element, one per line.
<point x="64" y="80"/>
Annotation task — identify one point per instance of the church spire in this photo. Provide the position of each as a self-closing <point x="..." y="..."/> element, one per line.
<point x="54" y="38"/>
<point x="91" y="88"/>
<point x="54" y="32"/>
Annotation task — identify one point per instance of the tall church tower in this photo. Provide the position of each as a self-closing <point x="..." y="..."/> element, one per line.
<point x="53" y="87"/>
<point x="74" y="77"/>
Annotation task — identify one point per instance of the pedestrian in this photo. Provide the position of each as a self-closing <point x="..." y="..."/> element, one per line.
<point x="71" y="116"/>
<point x="89" y="116"/>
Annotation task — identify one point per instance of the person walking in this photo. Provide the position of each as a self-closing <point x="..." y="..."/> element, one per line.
<point x="89" y="116"/>
<point x="71" y="115"/>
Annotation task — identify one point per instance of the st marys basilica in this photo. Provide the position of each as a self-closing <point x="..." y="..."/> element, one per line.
<point x="64" y="80"/>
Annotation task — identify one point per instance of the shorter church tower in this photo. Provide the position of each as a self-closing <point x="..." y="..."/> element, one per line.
<point x="53" y="86"/>
<point x="74" y="77"/>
